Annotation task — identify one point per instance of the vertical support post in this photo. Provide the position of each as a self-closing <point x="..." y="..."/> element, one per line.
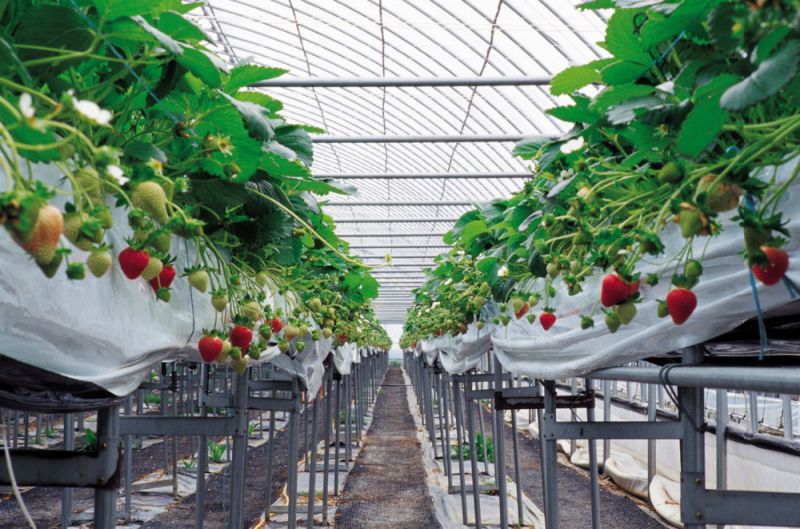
<point x="291" y="483"/>
<point x="202" y="454"/>
<point x="594" y="481"/>
<point x="722" y="439"/>
<point x="692" y="446"/>
<point x="348" y="427"/>
<point x="753" y="398"/>
<point x="327" y="440"/>
<point x="517" y="477"/>
<point x="270" y="461"/>
<point x="66" y="494"/>
<point x="337" y="425"/>
<point x="651" y="443"/>
<point x="549" y="458"/>
<point x="128" y="462"/>
<point x="107" y="439"/>
<point x="239" y="452"/>
<point x="312" y="467"/>
<point x="499" y="448"/>
<point x="788" y="427"/>
<point x="476" y="482"/>
<point x="444" y="406"/>
<point x="606" y="418"/>
<point x="459" y="439"/>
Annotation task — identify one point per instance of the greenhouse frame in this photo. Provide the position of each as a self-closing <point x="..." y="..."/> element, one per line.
<point x="426" y="264"/>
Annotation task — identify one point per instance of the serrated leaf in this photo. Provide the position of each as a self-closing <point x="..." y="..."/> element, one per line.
<point x="272" y="105"/>
<point x="178" y="27"/>
<point x="170" y="44"/>
<point x="770" y="76"/>
<point x="296" y="139"/>
<point x="577" y="113"/>
<point x="114" y="9"/>
<point x="197" y="62"/>
<point x="472" y="230"/>
<point x="768" y="43"/>
<point x="701" y="126"/>
<point x="627" y="111"/>
<point x="528" y="148"/>
<point x="573" y="78"/>
<point x="622" y="72"/>
<point x="254" y="118"/>
<point x="276" y="165"/>
<point x="144" y="151"/>
<point x="51" y="26"/>
<point x="615" y="95"/>
<point x="621" y="39"/>
<point x="659" y="28"/>
<point x="248" y="74"/>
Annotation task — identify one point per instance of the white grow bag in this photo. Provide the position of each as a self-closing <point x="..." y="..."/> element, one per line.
<point x="725" y="300"/>
<point x="458" y="354"/>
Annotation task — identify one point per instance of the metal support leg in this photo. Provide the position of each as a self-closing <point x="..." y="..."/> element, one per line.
<point x="651" y="443"/>
<point x="692" y="445"/>
<point x="327" y="440"/>
<point x="460" y="443"/>
<point x="202" y="455"/>
<point x="594" y="482"/>
<point x="721" y="439"/>
<point x="499" y="449"/>
<point x="476" y="482"/>
<point x="337" y="446"/>
<point x="291" y="483"/>
<point x="128" y="441"/>
<point x="444" y="406"/>
<point x="312" y="470"/>
<point x="239" y="453"/>
<point x="270" y="460"/>
<point x="66" y="494"/>
<point x="107" y="439"/>
<point x="549" y="459"/>
<point x="606" y="418"/>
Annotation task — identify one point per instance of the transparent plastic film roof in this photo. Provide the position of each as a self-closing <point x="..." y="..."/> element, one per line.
<point x="421" y="103"/>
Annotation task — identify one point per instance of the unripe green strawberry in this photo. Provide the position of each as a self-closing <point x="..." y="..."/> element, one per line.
<point x="693" y="269"/>
<point x="691" y="220"/>
<point x="235" y="353"/>
<point x="262" y="278"/>
<point x="626" y="312"/>
<point x="283" y="346"/>
<point x="153" y="268"/>
<point x="161" y="241"/>
<point x="226" y="351"/>
<point x="198" y="279"/>
<point x="533" y="300"/>
<point x="662" y="310"/>
<point x="219" y="302"/>
<point x="505" y="319"/>
<point x="722" y="196"/>
<point x="164" y="294"/>
<point x="250" y="309"/>
<point x="104" y="216"/>
<point x="304" y="330"/>
<point x="254" y="353"/>
<point x="754" y="239"/>
<point x="586" y="322"/>
<point x="670" y="173"/>
<point x="517" y="304"/>
<point x="291" y="332"/>
<point x="150" y="197"/>
<point x="612" y="322"/>
<point x="265" y="331"/>
<point x="315" y="335"/>
<point x="300" y="346"/>
<point x="140" y="235"/>
<point x="73" y="221"/>
<point x="51" y="268"/>
<point x="240" y="364"/>
<point x="327" y="333"/>
<point x="89" y="182"/>
<point x="76" y="271"/>
<point x="315" y="304"/>
<point x="480" y="325"/>
<point x="553" y="270"/>
<point x="479" y="301"/>
<point x="99" y="261"/>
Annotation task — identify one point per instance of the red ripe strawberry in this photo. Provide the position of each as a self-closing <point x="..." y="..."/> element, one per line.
<point x="523" y="311"/>
<point x="241" y="337"/>
<point x="681" y="302"/>
<point x="343" y="338"/>
<point x="210" y="347"/>
<point x="614" y="290"/>
<point x="437" y="332"/>
<point x="276" y="324"/>
<point x="164" y="279"/>
<point x="547" y="319"/>
<point x="775" y="270"/>
<point x="133" y="262"/>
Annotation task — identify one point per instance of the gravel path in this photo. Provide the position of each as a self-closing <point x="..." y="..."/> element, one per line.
<point x="386" y="488"/>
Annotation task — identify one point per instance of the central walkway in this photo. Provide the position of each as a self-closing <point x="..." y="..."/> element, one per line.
<point x="386" y="488"/>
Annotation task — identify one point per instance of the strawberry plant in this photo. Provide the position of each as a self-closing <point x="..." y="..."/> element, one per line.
<point x="676" y="136"/>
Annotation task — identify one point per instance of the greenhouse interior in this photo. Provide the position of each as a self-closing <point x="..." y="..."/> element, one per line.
<point x="407" y="264"/>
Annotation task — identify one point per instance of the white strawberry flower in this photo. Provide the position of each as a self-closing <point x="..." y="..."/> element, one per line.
<point x="26" y="105"/>
<point x="572" y="145"/>
<point x="117" y="173"/>
<point x="503" y="271"/>
<point x="91" y="111"/>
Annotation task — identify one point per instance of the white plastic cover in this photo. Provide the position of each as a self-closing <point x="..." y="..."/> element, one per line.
<point x="343" y="357"/>
<point x="725" y="300"/>
<point x="308" y="366"/>
<point x="461" y="353"/>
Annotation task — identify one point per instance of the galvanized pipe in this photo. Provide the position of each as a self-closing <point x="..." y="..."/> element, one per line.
<point x="393" y="82"/>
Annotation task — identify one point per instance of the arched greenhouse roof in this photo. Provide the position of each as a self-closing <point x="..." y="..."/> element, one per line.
<point x="421" y="103"/>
